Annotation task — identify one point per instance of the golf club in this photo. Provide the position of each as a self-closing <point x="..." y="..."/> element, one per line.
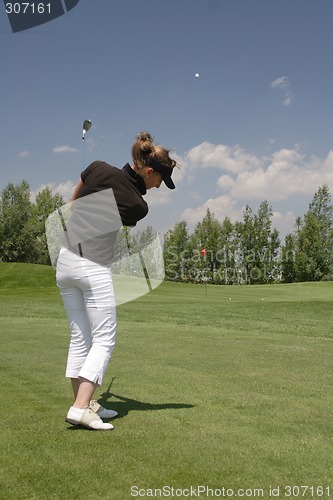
<point x="86" y="126"/>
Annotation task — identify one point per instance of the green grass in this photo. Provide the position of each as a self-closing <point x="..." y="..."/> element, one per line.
<point x="217" y="386"/>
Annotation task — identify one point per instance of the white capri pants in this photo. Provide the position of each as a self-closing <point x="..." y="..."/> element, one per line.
<point x="87" y="292"/>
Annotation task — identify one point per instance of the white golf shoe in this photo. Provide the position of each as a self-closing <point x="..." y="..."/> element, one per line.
<point x="87" y="418"/>
<point x="101" y="411"/>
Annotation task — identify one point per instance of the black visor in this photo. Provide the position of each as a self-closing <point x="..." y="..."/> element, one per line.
<point x="165" y="172"/>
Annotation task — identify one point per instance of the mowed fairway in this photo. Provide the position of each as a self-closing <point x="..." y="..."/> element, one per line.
<point x="218" y="387"/>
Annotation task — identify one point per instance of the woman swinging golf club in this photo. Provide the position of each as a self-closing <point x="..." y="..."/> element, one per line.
<point x="83" y="268"/>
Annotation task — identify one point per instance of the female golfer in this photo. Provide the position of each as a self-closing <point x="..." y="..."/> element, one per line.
<point x="83" y="267"/>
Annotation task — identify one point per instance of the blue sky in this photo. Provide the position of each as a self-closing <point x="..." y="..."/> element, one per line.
<point x="257" y="125"/>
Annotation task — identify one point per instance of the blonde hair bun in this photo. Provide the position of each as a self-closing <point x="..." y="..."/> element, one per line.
<point x="145" y="142"/>
<point x="144" y="152"/>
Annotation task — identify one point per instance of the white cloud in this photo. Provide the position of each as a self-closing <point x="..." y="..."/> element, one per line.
<point x="222" y="207"/>
<point x="284" y="223"/>
<point x="158" y="197"/>
<point x="64" y="149"/>
<point x="284" y="175"/>
<point x="91" y="144"/>
<point x="179" y="172"/>
<point x="229" y="158"/>
<point x="282" y="83"/>
<point x="287" y="177"/>
<point x="225" y="182"/>
<point x="65" y="189"/>
<point x="23" y="154"/>
<point x="249" y="177"/>
<point x="288" y="98"/>
<point x="230" y="177"/>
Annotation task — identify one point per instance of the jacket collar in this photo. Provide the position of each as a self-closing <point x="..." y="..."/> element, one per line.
<point x="137" y="179"/>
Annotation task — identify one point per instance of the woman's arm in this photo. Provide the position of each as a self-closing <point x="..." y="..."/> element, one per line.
<point x="77" y="190"/>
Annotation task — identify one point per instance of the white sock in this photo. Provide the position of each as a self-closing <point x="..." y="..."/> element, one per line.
<point x="77" y="411"/>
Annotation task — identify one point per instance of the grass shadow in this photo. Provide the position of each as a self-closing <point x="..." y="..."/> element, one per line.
<point x="124" y="405"/>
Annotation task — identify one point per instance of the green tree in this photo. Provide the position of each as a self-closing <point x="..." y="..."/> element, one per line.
<point x="245" y="246"/>
<point x="288" y="264"/>
<point x="206" y="243"/>
<point x="177" y="252"/>
<point x="310" y="257"/>
<point x="267" y="244"/>
<point x="314" y="239"/>
<point x="226" y="254"/>
<point x="22" y="223"/>
<point x="321" y="208"/>
<point x="16" y="209"/>
<point x="44" y="205"/>
<point x="258" y="246"/>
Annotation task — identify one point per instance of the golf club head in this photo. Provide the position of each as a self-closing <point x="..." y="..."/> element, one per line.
<point x="86" y="127"/>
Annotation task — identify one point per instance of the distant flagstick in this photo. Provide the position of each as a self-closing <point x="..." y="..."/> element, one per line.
<point x="203" y="254"/>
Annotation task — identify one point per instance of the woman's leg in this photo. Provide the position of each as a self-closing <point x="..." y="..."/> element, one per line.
<point x="100" y="309"/>
<point x="75" y="386"/>
<point x="80" y="342"/>
<point x="87" y="292"/>
<point x="84" y="393"/>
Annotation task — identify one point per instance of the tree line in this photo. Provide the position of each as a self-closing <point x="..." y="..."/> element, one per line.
<point x="219" y="252"/>
<point x="250" y="251"/>
<point x="22" y="223"/>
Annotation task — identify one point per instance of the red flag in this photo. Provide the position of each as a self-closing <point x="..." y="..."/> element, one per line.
<point x="203" y="252"/>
